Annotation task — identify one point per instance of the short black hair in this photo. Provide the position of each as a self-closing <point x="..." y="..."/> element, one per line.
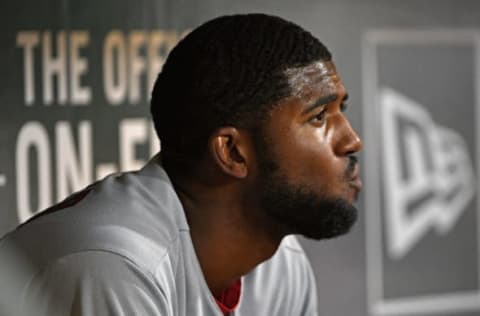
<point x="229" y="71"/>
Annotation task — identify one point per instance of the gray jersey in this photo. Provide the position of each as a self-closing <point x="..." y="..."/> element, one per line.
<point x="123" y="247"/>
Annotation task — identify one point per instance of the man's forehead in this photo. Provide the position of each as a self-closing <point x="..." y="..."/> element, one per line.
<point x="319" y="74"/>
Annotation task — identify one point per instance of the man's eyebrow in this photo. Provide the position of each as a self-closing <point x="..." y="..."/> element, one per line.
<point x="320" y="101"/>
<point x="323" y="101"/>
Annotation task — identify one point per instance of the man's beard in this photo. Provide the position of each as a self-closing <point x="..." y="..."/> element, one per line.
<point x="291" y="208"/>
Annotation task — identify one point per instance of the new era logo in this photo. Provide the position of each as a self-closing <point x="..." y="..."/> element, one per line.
<point x="422" y="147"/>
<point x="429" y="177"/>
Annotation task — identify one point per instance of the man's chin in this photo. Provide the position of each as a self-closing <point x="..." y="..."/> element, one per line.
<point x="339" y="221"/>
<point x="315" y="218"/>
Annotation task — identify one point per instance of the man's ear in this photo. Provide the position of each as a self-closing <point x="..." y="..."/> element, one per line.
<point x="230" y="151"/>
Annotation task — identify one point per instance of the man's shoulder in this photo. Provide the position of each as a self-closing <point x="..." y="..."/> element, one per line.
<point x="136" y="215"/>
<point x="94" y="282"/>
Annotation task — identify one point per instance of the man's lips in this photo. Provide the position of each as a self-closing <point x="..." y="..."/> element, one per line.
<point x="356" y="183"/>
<point x="354" y="180"/>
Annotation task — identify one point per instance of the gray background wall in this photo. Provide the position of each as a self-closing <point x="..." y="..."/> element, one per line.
<point x="440" y="75"/>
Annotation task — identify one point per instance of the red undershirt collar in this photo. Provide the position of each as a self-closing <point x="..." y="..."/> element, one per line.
<point x="228" y="300"/>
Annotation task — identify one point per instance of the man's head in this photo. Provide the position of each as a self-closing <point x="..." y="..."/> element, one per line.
<point x="260" y="96"/>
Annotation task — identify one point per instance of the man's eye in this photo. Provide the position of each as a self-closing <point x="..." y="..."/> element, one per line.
<point x="320" y="117"/>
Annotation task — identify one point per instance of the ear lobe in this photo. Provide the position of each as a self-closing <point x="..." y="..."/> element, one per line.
<point x="228" y="149"/>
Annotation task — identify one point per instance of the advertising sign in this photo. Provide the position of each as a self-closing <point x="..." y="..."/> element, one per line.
<point x="422" y="199"/>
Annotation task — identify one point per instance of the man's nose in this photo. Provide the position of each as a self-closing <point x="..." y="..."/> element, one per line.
<point x="349" y="142"/>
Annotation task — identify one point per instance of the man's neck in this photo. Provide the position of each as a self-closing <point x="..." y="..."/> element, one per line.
<point x="228" y="243"/>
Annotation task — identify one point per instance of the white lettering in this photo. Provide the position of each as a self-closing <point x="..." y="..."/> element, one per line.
<point x="137" y="64"/>
<point x="74" y="168"/>
<point x="133" y="132"/>
<point x="28" y="40"/>
<point x="32" y="136"/>
<point x="154" y="141"/>
<point x="115" y="58"/>
<point x="54" y="66"/>
<point x="78" y="67"/>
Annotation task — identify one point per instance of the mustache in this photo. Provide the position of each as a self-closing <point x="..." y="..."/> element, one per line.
<point x="351" y="165"/>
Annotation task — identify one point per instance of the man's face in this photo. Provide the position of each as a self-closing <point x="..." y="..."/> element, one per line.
<point x="307" y="169"/>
